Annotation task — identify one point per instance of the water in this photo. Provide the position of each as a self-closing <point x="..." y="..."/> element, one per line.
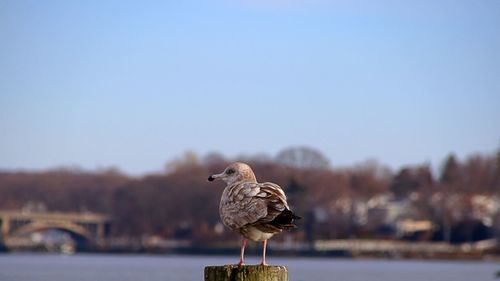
<point x="89" y="267"/>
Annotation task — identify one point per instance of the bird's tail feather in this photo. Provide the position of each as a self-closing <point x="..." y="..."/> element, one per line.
<point x="285" y="220"/>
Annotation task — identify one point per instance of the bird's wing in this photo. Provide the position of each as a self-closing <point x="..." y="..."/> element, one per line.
<point x="275" y="200"/>
<point x="257" y="203"/>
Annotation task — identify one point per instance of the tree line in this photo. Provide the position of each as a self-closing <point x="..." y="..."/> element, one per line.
<point x="180" y="204"/>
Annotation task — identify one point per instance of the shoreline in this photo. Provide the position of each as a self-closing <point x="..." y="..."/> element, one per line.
<point x="494" y="257"/>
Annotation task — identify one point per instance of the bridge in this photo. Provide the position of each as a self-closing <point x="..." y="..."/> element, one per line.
<point x="87" y="229"/>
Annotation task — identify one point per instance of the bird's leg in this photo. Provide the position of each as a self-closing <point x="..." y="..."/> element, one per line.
<point x="264" y="245"/>
<point x="242" y="253"/>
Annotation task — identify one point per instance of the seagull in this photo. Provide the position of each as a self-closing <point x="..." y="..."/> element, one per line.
<point x="257" y="211"/>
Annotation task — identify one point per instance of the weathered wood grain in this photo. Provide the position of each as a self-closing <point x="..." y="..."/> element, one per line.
<point x="246" y="273"/>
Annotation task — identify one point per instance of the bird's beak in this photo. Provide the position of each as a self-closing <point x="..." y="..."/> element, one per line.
<point x="215" y="176"/>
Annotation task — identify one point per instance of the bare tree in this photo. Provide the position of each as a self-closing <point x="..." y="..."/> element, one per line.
<point x="450" y="173"/>
<point x="302" y="158"/>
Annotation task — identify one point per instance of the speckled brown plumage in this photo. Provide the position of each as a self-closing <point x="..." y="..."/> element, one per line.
<point x="255" y="210"/>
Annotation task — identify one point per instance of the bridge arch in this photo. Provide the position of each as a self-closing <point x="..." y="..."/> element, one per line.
<point x="45" y="225"/>
<point x="88" y="230"/>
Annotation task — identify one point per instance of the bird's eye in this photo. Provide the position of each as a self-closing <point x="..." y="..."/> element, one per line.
<point x="230" y="171"/>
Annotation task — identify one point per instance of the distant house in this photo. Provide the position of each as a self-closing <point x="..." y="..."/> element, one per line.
<point x="395" y="217"/>
<point x="410" y="227"/>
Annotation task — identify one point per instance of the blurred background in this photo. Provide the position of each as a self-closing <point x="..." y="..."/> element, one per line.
<point x="380" y="119"/>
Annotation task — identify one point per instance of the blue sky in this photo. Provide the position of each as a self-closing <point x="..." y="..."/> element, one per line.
<point x="135" y="84"/>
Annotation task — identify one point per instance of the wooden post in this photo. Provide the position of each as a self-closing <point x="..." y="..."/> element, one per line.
<point x="246" y="273"/>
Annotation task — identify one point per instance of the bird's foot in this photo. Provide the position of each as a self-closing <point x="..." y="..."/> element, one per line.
<point x="264" y="263"/>
<point x="241" y="263"/>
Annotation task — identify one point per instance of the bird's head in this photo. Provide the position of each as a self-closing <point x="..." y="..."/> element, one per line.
<point x="235" y="172"/>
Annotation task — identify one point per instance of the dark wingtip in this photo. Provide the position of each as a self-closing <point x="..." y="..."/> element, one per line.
<point x="285" y="220"/>
<point x="292" y="215"/>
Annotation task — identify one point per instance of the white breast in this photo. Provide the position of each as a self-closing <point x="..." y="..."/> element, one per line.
<point x="254" y="234"/>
